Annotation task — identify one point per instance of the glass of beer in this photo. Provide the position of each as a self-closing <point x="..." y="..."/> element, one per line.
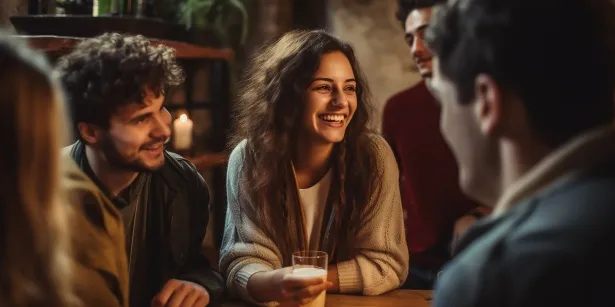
<point x="310" y="264"/>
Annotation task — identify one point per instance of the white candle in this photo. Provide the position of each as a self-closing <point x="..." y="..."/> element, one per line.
<point x="182" y="132"/>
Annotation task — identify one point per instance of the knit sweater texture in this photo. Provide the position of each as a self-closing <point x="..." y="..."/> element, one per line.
<point x="381" y="262"/>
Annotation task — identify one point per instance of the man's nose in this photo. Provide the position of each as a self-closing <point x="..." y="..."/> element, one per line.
<point x="418" y="49"/>
<point x="162" y="124"/>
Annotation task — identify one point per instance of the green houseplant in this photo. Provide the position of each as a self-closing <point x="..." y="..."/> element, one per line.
<point x="226" y="20"/>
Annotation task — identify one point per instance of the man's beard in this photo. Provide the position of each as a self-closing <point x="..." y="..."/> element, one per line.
<point x="116" y="160"/>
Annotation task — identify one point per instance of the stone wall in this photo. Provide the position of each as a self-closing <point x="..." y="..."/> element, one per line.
<point x="9" y="8"/>
<point x="377" y="37"/>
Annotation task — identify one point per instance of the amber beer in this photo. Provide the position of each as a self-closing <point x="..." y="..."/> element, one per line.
<point x="310" y="264"/>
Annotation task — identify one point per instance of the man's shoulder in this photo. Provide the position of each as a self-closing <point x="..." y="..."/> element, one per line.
<point x="415" y="104"/>
<point x="178" y="167"/>
<point x="562" y="223"/>
<point x="417" y="92"/>
<point x="179" y="160"/>
<point x="495" y="263"/>
<point x="83" y="194"/>
<point x="74" y="179"/>
<point x="574" y="212"/>
<point x="574" y="208"/>
<point x="532" y="252"/>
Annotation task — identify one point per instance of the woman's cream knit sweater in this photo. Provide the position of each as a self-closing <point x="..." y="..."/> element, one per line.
<point x="381" y="264"/>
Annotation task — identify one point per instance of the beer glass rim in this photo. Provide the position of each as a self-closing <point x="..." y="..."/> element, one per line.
<point x="310" y="254"/>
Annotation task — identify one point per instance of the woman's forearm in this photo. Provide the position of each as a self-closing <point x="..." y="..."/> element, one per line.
<point x="333" y="278"/>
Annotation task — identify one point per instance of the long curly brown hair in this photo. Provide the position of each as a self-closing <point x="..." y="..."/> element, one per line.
<point x="267" y="114"/>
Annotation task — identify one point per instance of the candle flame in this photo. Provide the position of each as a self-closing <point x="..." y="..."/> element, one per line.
<point x="183" y="118"/>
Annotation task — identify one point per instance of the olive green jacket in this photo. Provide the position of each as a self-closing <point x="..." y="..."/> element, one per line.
<point x="101" y="268"/>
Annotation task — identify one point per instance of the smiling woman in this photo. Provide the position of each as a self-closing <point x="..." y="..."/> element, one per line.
<point x="330" y="101"/>
<point x="306" y="174"/>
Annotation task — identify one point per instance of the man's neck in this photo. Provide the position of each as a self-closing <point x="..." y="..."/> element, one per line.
<point x="311" y="162"/>
<point x="518" y="158"/>
<point x="112" y="178"/>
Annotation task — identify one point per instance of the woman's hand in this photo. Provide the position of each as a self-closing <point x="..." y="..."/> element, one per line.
<point x="286" y="288"/>
<point x="301" y="290"/>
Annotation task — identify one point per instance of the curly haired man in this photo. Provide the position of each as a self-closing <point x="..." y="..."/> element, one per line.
<point x="116" y="85"/>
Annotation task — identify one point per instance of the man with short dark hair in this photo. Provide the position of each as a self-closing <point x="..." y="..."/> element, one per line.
<point x="534" y="141"/>
<point x="435" y="209"/>
<point x="116" y="85"/>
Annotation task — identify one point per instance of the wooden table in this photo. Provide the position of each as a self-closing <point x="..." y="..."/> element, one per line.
<point x="398" y="298"/>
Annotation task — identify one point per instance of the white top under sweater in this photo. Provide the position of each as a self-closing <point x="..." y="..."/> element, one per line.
<point x="313" y="202"/>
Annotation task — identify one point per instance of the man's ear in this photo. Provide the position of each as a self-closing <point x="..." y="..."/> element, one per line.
<point x="488" y="106"/>
<point x="90" y="133"/>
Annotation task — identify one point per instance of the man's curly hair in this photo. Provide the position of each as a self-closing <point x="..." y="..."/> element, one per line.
<point x="111" y="70"/>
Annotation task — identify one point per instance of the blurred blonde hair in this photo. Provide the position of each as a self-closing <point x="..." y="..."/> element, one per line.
<point x="34" y="240"/>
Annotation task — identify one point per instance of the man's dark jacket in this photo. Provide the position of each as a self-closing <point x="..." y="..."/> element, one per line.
<point x="177" y="219"/>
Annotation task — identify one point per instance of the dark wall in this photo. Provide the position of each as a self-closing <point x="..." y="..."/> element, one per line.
<point x="309" y="14"/>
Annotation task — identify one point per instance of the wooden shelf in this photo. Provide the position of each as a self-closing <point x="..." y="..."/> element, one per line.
<point x="58" y="34"/>
<point x="63" y="44"/>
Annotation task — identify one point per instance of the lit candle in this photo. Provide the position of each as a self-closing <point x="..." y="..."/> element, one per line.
<point x="182" y="132"/>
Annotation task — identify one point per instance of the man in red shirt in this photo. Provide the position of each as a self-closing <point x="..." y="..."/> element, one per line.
<point x="435" y="209"/>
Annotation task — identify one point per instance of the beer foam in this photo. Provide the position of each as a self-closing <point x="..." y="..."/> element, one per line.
<point x="310" y="272"/>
